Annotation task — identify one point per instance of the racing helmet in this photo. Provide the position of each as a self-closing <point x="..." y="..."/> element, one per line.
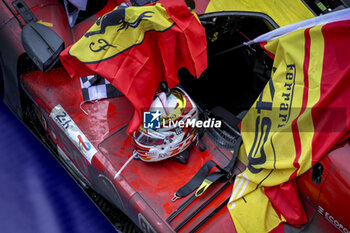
<point x="176" y="130"/>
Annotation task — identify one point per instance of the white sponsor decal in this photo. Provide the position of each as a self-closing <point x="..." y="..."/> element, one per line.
<point x="332" y="220"/>
<point x="68" y="126"/>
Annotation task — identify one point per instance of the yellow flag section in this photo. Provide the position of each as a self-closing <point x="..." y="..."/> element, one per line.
<point x="277" y="131"/>
<point x="103" y="41"/>
<point x="283" y="12"/>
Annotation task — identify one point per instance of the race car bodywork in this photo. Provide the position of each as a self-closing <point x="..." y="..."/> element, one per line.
<point x="91" y="142"/>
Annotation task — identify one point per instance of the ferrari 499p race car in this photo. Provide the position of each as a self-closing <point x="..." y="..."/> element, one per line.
<point x="274" y="75"/>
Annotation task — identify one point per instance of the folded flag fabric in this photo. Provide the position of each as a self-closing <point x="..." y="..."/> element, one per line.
<point x="298" y="118"/>
<point x="95" y="87"/>
<point x="135" y="48"/>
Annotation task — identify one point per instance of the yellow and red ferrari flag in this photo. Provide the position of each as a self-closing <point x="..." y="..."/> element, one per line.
<point x="300" y="116"/>
<point x="135" y="48"/>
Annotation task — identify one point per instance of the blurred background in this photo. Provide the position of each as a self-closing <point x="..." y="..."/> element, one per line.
<point x="36" y="194"/>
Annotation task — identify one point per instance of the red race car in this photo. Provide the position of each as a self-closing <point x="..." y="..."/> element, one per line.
<point x="91" y="139"/>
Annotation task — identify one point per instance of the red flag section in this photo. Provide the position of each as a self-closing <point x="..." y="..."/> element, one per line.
<point x="135" y="48"/>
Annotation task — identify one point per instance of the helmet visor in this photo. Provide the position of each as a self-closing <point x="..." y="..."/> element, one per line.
<point x="144" y="139"/>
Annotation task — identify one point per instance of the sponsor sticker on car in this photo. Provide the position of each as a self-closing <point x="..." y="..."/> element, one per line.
<point x="68" y="126"/>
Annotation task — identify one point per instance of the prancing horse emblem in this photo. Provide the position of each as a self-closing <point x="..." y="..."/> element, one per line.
<point x="117" y="17"/>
